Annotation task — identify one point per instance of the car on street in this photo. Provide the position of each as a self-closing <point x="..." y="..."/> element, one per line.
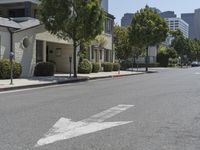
<point x="195" y="64"/>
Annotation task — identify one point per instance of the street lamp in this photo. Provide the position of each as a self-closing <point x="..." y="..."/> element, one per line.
<point x="70" y="66"/>
<point x="11" y="67"/>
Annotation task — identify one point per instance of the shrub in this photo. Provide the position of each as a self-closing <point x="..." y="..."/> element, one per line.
<point x="107" y="66"/>
<point x="116" y="66"/>
<point x="5" y="69"/>
<point x="95" y="67"/>
<point x="126" y="64"/>
<point x="163" y="59"/>
<point x="44" y="69"/>
<point x="85" y="66"/>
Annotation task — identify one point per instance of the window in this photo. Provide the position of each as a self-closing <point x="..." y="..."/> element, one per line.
<point x="16" y="13"/>
<point x="108" y="26"/>
<point x="92" y="53"/>
<point x="101" y="54"/>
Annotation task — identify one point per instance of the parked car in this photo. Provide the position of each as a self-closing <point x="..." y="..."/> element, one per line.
<point x="195" y="64"/>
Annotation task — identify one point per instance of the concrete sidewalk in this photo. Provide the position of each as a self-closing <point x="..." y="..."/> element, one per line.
<point x="59" y="79"/>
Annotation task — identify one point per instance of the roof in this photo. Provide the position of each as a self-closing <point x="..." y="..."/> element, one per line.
<point x="18" y="1"/>
<point x="19" y="23"/>
<point x="9" y="23"/>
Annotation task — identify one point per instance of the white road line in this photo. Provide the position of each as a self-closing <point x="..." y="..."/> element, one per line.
<point x="108" y="113"/>
<point x="67" y="129"/>
<point x="197" y="73"/>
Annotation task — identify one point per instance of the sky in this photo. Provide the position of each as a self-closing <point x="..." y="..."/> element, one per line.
<point x="119" y="7"/>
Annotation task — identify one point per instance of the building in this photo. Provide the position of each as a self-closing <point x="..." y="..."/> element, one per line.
<point x="126" y="19"/>
<point x="197" y="23"/>
<point x="168" y="14"/>
<point x="178" y="23"/>
<point x="104" y="4"/>
<point x="193" y="19"/>
<point x="189" y="18"/>
<point x="31" y="43"/>
<point x="156" y="9"/>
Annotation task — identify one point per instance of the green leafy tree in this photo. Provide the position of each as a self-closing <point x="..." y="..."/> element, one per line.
<point x="79" y="20"/>
<point x="164" y="54"/>
<point x="147" y="29"/>
<point x="182" y="47"/>
<point x="195" y="49"/>
<point x="121" y="42"/>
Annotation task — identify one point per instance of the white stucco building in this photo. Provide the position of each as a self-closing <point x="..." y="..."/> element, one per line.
<point x="31" y="43"/>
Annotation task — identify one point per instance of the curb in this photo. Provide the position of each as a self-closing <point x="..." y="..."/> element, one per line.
<point x="82" y="79"/>
<point x="43" y="85"/>
<point x="115" y="76"/>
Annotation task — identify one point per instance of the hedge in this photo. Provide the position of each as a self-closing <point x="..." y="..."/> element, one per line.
<point x="116" y="66"/>
<point x="107" y="66"/>
<point x="128" y="64"/>
<point x="5" y="69"/>
<point x="44" y="69"/>
<point x="95" y="67"/>
<point x="85" y="66"/>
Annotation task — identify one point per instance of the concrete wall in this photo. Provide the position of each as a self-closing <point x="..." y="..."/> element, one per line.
<point x="44" y="35"/>
<point x="26" y="56"/>
<point x="152" y="50"/>
<point x="4" y="43"/>
<point x="59" y="53"/>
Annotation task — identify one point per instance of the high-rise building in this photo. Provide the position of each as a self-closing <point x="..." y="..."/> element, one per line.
<point x="193" y="19"/>
<point x="178" y="23"/>
<point x="104" y="4"/>
<point x="126" y="19"/>
<point x="174" y="24"/>
<point x="197" y="23"/>
<point x="168" y="14"/>
<point x="189" y="18"/>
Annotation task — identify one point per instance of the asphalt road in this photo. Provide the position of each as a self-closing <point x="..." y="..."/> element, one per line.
<point x="166" y="115"/>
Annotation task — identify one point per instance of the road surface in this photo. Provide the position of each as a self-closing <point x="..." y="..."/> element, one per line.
<point x="158" y="111"/>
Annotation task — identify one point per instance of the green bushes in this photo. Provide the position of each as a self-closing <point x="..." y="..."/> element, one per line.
<point x="95" y="67"/>
<point x="128" y="64"/>
<point x="85" y="67"/>
<point x="44" y="69"/>
<point x="107" y="66"/>
<point x="5" y="69"/>
<point x="116" y="66"/>
<point x="165" y="55"/>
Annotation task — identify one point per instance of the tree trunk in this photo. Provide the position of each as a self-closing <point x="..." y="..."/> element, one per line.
<point x="147" y="59"/>
<point x="74" y="59"/>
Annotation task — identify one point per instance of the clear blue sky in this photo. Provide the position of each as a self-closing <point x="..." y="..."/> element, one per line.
<point x="119" y="7"/>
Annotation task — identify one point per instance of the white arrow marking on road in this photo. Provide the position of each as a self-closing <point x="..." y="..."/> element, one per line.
<point x="66" y="129"/>
<point x="197" y="73"/>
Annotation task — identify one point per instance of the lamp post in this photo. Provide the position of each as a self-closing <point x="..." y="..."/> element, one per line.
<point x="70" y="66"/>
<point x="11" y="67"/>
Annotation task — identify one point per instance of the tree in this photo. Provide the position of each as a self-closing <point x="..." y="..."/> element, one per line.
<point x="195" y="49"/>
<point x="164" y="54"/>
<point x="79" y="20"/>
<point x="121" y="43"/>
<point x="147" y="29"/>
<point x="181" y="45"/>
